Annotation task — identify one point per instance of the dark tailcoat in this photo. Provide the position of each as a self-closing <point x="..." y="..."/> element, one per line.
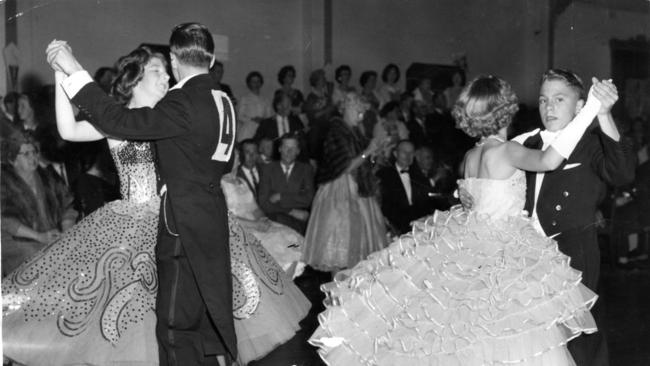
<point x="194" y="131"/>
<point x="567" y="205"/>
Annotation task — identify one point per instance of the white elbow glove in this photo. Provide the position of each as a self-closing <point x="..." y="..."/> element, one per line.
<point x="567" y="140"/>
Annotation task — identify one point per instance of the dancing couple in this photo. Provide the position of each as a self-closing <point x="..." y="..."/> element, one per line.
<point x="487" y="286"/>
<point x="90" y="297"/>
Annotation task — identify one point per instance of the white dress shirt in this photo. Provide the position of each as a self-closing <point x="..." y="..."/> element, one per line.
<point x="282" y="123"/>
<point x="251" y="174"/>
<point x="547" y="138"/>
<point x="287" y="169"/>
<point x="406" y="182"/>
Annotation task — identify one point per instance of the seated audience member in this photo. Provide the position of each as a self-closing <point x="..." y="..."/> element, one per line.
<point x="424" y="93"/>
<point x="403" y="198"/>
<point x="452" y="92"/>
<point x="287" y="187"/>
<point x="266" y="151"/>
<point x="282" y="242"/>
<point x="419" y="125"/>
<point x="8" y="113"/>
<point x="104" y="77"/>
<point x="26" y="113"/>
<point x="389" y="91"/>
<point x="286" y="77"/>
<point x="282" y="123"/>
<point x="252" y="108"/>
<point x="216" y="71"/>
<point x="405" y="106"/>
<point x="391" y="128"/>
<point x="438" y="178"/>
<point x="10" y="106"/>
<point x="95" y="186"/>
<point x="248" y="170"/>
<point x="36" y="207"/>
<point x="342" y="76"/>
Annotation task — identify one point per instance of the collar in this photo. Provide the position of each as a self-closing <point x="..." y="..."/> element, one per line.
<point x="400" y="170"/>
<point x="548" y="136"/>
<point x="289" y="167"/>
<point x="184" y="80"/>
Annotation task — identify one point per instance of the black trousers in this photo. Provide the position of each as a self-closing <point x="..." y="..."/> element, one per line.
<point x="582" y="246"/>
<point x="186" y="334"/>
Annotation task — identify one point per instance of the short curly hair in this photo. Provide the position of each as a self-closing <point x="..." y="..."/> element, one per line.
<point x="485" y="105"/>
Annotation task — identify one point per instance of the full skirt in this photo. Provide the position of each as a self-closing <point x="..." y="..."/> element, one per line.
<point x="459" y="290"/>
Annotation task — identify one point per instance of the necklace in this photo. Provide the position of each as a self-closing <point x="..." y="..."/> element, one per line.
<point x="493" y="137"/>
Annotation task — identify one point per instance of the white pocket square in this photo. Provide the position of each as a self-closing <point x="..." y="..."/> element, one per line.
<point x="571" y="166"/>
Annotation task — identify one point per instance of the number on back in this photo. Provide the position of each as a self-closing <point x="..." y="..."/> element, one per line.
<point x="227" y="124"/>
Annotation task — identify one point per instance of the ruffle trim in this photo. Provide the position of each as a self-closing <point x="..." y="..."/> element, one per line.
<point x="459" y="290"/>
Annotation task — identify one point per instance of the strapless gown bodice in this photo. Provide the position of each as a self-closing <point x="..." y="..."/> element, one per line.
<point x="497" y="198"/>
<point x="135" y="166"/>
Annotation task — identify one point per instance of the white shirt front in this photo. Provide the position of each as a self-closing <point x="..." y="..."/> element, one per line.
<point x="287" y="169"/>
<point x="406" y="182"/>
<point x="251" y="174"/>
<point x="282" y="123"/>
<point x="547" y="138"/>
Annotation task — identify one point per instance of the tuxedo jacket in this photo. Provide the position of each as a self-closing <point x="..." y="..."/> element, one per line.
<point x="569" y="195"/>
<point x="295" y="193"/>
<point x="269" y="127"/>
<point x="253" y="186"/>
<point x="394" y="201"/>
<point x="193" y="127"/>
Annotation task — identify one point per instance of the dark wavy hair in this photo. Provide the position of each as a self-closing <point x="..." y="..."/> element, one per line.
<point x="339" y="70"/>
<point x="284" y="71"/>
<point x="485" y="105"/>
<point x="10" y="145"/>
<point x="384" y="74"/>
<point x="254" y="74"/>
<point x="365" y="77"/>
<point x="130" y="70"/>
<point x="192" y="44"/>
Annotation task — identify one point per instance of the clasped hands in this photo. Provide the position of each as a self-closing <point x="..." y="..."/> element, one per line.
<point x="60" y="57"/>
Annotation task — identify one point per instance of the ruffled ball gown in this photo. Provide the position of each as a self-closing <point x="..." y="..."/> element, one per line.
<point x="464" y="288"/>
<point x="284" y="243"/>
<point x="89" y="297"/>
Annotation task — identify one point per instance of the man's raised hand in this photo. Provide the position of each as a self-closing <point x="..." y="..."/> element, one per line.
<point x="60" y="57"/>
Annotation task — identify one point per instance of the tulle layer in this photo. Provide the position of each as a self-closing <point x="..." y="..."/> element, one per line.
<point x="89" y="297"/>
<point x="460" y="290"/>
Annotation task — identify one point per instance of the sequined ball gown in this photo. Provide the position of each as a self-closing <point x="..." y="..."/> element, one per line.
<point x="463" y="288"/>
<point x="89" y="297"/>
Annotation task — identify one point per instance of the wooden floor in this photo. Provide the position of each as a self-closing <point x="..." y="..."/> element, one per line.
<point x="625" y="294"/>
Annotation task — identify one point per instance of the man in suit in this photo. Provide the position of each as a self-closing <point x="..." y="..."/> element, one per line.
<point x="419" y="126"/>
<point x="248" y="170"/>
<point x="287" y="187"/>
<point x="193" y="127"/>
<point x="563" y="202"/>
<point x="436" y="177"/>
<point x="284" y="122"/>
<point x="404" y="192"/>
